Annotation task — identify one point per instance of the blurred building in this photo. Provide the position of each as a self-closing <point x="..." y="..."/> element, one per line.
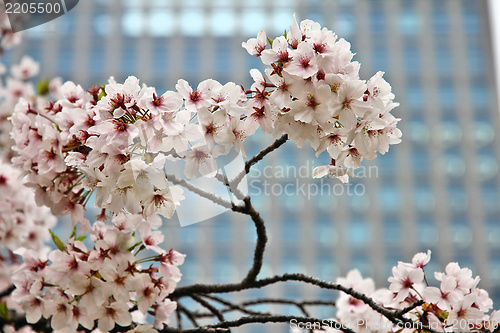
<point x="437" y="190"/>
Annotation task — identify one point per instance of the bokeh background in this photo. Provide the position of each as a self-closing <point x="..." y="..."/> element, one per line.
<point x="437" y="190"/>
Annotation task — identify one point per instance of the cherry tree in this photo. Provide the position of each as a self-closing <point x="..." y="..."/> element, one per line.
<point x="107" y="146"/>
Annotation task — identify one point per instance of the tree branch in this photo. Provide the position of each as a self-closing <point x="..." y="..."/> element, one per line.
<point x="300" y="304"/>
<point x="404" y="311"/>
<point x="394" y="316"/>
<point x="194" y="330"/>
<point x="188" y="314"/>
<point x="255" y="159"/>
<point x="260" y="246"/>
<point x="232" y="307"/>
<point x="7" y="291"/>
<point x="179" y="318"/>
<point x="232" y="187"/>
<point x="209" y="307"/>
<point x="201" y="192"/>
<point x="262" y="320"/>
<point x="279" y="319"/>
<point x="41" y="326"/>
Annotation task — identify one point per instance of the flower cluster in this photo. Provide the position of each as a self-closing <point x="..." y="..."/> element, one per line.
<point x="114" y="141"/>
<point x="316" y="95"/>
<point x="22" y="223"/>
<point x="74" y="147"/>
<point x="109" y="145"/>
<point x="457" y="305"/>
<point x="77" y="285"/>
<point x="19" y="84"/>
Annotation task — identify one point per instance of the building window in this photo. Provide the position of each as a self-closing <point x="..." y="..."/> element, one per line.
<point x="409" y="22"/>
<point x="427" y="233"/>
<point x="358" y="234"/>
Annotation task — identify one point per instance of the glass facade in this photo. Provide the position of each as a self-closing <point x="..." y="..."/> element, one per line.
<point x="437" y="190"/>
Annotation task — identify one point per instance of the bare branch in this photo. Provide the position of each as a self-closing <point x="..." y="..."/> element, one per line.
<point x="194" y="330"/>
<point x="404" y="311"/>
<point x="7" y="291"/>
<point x="393" y="316"/>
<point x="201" y="192"/>
<point x="255" y="159"/>
<point x="300" y="304"/>
<point x="233" y="307"/>
<point x="260" y="247"/>
<point x="279" y="319"/>
<point x="179" y="318"/>
<point x="188" y="314"/>
<point x="42" y="326"/>
<point x="231" y="186"/>
<point x="209" y="307"/>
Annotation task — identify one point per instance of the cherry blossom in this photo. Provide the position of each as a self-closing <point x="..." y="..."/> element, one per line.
<point x="108" y="147"/>
<point x="22" y="222"/>
<point x="333" y="171"/>
<point x="8" y="38"/>
<point x="315" y="92"/>
<point x="404" y="279"/>
<point x="445" y="296"/>
<point x="255" y="46"/>
<point x="26" y="69"/>
<point x="80" y="285"/>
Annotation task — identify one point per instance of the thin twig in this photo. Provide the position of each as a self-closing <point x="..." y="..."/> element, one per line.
<point x="198" y="288"/>
<point x="318" y="303"/>
<point x="7" y="292"/>
<point x="242" y="306"/>
<point x="404" y="311"/>
<point x="194" y="330"/>
<point x="286" y="301"/>
<point x="209" y="307"/>
<point x="248" y="164"/>
<point x="233" y="188"/>
<point x="233" y="307"/>
<point x="282" y="301"/>
<point x="41" y="326"/>
<point x="201" y="192"/>
<point x="188" y="314"/>
<point x="179" y="318"/>
<point x="280" y="319"/>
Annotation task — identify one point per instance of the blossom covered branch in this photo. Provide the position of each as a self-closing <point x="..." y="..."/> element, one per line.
<point x="131" y="152"/>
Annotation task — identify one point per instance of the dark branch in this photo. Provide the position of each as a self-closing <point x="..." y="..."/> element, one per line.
<point x="393" y="316"/>
<point x="260" y="247"/>
<point x="247" y="282"/>
<point x="188" y="314"/>
<point x="42" y="326"/>
<point x="232" y="187"/>
<point x="7" y="292"/>
<point x="209" y="307"/>
<point x="201" y="192"/>
<point x="255" y="159"/>
<point x="179" y="318"/>
<point x="286" y="301"/>
<point x="279" y="319"/>
<point x="298" y="304"/>
<point x="404" y="311"/>
<point x="231" y="307"/>
<point x="194" y="330"/>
